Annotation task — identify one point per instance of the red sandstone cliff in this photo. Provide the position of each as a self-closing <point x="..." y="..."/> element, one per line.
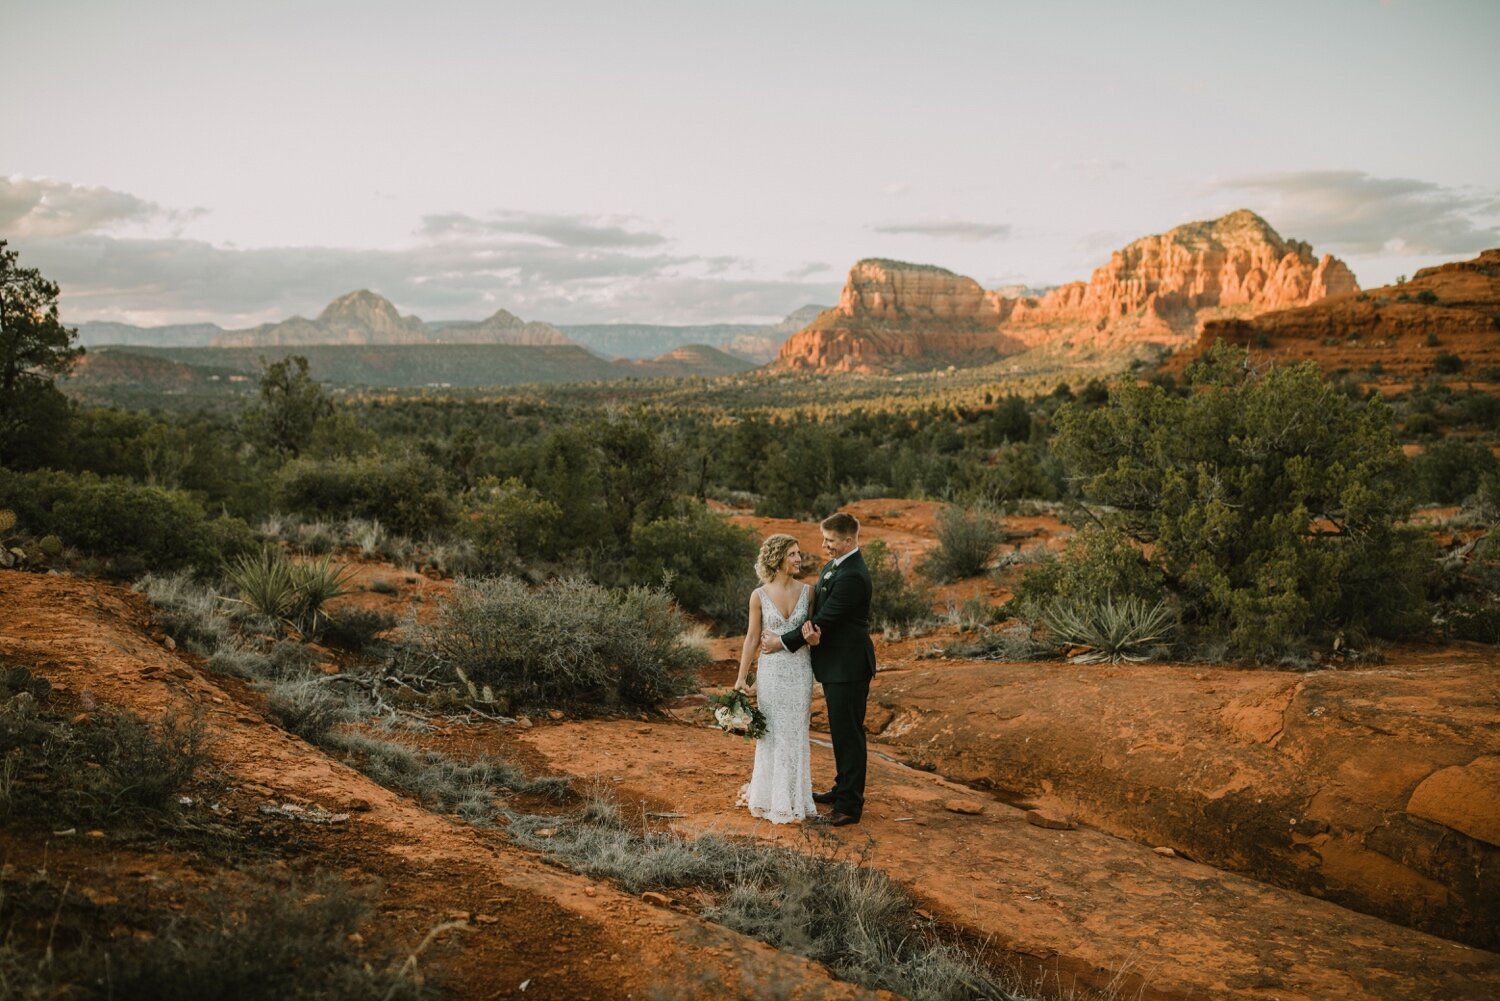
<point x="1159" y="289"/>
<point x="1394" y="333"/>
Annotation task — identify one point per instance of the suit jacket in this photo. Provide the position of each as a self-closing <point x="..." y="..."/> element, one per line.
<point x="845" y="652"/>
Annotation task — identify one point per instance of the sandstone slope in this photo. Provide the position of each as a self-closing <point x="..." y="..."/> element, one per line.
<point x="1158" y="290"/>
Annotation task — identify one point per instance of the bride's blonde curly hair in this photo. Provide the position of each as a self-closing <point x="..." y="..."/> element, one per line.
<point x="772" y="554"/>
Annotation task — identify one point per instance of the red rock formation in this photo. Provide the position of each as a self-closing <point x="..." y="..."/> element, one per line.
<point x="1168" y="285"/>
<point x="1394" y="333"/>
<point x="895" y="315"/>
<point x="1159" y="289"/>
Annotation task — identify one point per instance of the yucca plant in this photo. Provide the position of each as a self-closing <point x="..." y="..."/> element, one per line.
<point x="294" y="593"/>
<point x="1112" y="631"/>
<point x="317" y="584"/>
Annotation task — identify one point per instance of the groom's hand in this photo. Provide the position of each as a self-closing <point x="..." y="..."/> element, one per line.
<point x="770" y="642"/>
<point x="812" y="634"/>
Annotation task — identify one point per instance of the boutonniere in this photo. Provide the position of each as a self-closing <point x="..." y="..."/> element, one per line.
<point x="828" y="575"/>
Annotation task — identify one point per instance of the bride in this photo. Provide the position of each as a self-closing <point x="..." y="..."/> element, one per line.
<point x="780" y="787"/>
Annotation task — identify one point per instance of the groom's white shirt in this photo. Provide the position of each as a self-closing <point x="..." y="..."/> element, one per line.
<point x="846" y="556"/>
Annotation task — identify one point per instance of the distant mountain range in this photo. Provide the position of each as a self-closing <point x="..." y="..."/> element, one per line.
<point x="395" y="366"/>
<point x="366" y="318"/>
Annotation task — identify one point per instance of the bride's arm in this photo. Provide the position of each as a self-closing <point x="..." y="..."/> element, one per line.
<point x="752" y="641"/>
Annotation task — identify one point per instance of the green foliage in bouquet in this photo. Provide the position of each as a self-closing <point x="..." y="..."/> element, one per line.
<point x="735" y="713"/>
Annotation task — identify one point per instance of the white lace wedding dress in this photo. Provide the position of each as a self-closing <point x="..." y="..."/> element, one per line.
<point x="780" y="787"/>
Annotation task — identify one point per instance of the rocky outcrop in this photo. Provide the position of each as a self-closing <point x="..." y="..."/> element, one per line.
<point x="1159" y="289"/>
<point x="897" y="315"/>
<point x="1393" y="333"/>
<point x="363" y="317"/>
<point x="1167" y="286"/>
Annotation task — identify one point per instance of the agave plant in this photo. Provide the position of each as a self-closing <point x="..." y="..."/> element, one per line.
<point x="1112" y="631"/>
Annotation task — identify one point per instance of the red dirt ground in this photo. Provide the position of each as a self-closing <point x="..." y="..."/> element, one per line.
<point x="1143" y="756"/>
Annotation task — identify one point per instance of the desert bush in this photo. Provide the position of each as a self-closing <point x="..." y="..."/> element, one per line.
<point x="569" y="642"/>
<point x="512" y="522"/>
<point x="967" y="541"/>
<point x="970" y="615"/>
<point x="1271" y="502"/>
<point x="281" y="660"/>
<point x="308" y="707"/>
<point x="1014" y="642"/>
<point x="354" y="629"/>
<point x="273" y="938"/>
<point x="467" y="788"/>
<point x="407" y="493"/>
<point x="1113" y="631"/>
<point x="1021" y="471"/>
<point x="192" y="613"/>
<point x="1096" y="564"/>
<point x="104" y="766"/>
<point x="693" y="553"/>
<point x="1447" y="363"/>
<point x="133" y="528"/>
<point x="1451" y="469"/>
<point x="897" y="599"/>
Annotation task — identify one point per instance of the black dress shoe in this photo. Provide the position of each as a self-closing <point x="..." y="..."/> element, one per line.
<point x="826" y="798"/>
<point x="837" y="819"/>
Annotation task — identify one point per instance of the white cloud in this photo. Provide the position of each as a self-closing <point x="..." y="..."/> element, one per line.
<point x="41" y="207"/>
<point x="949" y="229"/>
<point x="555" y="228"/>
<point x="1352" y="212"/>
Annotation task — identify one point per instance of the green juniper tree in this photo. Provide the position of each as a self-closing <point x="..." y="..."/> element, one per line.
<point x="290" y="407"/>
<point x="1270" y="501"/>
<point x="35" y="348"/>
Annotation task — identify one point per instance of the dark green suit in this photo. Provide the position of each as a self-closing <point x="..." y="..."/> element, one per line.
<point x="844" y="662"/>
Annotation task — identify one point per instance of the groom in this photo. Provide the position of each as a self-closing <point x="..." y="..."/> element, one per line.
<point x="843" y="660"/>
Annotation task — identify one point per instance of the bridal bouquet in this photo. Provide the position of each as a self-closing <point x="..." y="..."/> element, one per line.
<point x="735" y="713"/>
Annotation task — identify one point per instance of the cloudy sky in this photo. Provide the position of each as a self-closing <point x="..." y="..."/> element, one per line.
<point x="702" y="161"/>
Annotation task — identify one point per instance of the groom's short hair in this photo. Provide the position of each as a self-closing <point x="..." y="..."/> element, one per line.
<point x="843" y="525"/>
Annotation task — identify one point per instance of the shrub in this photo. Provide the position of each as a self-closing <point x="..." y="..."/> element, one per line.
<point x="407" y="493"/>
<point x="1420" y="424"/>
<point x="967" y="541"/>
<point x="134" y="528"/>
<point x="308" y="707"/>
<point x="569" y="642"/>
<point x="1021" y="471"/>
<point x="897" y="599"/>
<point x="1097" y="564"/>
<point x="274" y="938"/>
<point x="467" y="788"/>
<point x="848" y="916"/>
<point x="101" y="767"/>
<point x="354" y="629"/>
<point x="694" y="552"/>
<point x="1447" y="363"/>
<point x="1451" y="469"/>
<point x="513" y="522"/>
<point x="1271" y="503"/>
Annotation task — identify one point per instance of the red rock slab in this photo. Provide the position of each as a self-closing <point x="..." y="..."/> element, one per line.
<point x="1070" y="908"/>
<point x="1298" y="779"/>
